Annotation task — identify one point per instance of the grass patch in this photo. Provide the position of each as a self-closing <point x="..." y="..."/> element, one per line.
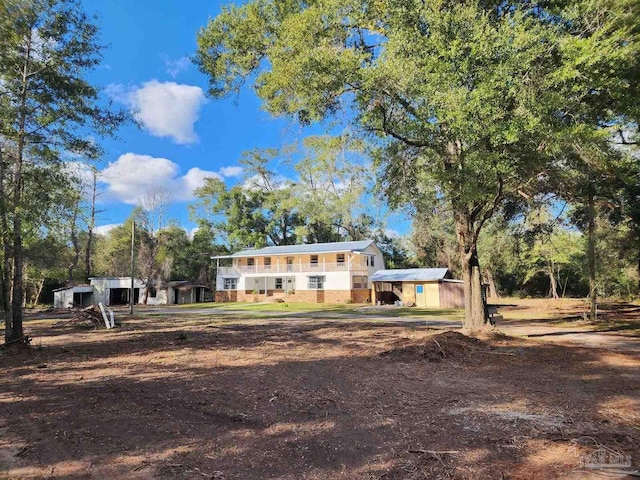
<point x="279" y="307"/>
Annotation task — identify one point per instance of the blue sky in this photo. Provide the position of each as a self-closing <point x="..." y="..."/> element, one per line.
<point x="183" y="137"/>
<point x="145" y="66"/>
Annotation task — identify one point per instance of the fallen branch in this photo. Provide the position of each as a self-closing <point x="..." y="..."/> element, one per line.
<point x="434" y="452"/>
<point x="441" y="350"/>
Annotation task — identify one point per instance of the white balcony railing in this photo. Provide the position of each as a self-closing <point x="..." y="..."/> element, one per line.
<point x="293" y="268"/>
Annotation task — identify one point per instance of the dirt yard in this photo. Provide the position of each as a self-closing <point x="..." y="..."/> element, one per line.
<point x="230" y="398"/>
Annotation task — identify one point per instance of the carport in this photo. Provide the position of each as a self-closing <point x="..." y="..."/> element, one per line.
<point x="423" y="287"/>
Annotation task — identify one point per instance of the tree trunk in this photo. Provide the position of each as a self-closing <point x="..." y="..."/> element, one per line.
<point x="553" y="285"/>
<point x="6" y="250"/>
<point x="493" y="292"/>
<point x="639" y="271"/>
<point x="87" y="255"/>
<point x="591" y="254"/>
<point x="145" y="299"/>
<point x="474" y="310"/>
<point x="74" y="241"/>
<point x="38" y="292"/>
<point x="91" y="225"/>
<point x="18" y="261"/>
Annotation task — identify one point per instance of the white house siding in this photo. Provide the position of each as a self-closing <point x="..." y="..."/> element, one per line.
<point x="162" y="297"/>
<point x="333" y="280"/>
<point x="66" y="297"/>
<point x="103" y="286"/>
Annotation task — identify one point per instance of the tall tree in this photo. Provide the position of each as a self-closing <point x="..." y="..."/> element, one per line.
<point x="46" y="49"/>
<point x="334" y="179"/>
<point x="91" y="213"/>
<point x="277" y="205"/>
<point x="476" y="95"/>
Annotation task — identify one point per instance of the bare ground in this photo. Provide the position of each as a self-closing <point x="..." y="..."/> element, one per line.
<point x="224" y="398"/>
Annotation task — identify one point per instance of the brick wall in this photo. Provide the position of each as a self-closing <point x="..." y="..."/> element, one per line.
<point x="360" y="296"/>
<point x="306" y="296"/>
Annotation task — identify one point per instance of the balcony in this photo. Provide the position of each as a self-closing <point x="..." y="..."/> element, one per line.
<point x="292" y="268"/>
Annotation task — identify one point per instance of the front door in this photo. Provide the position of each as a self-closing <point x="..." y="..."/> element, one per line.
<point x="290" y="284"/>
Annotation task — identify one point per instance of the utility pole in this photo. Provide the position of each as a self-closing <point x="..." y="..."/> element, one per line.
<point x="133" y="266"/>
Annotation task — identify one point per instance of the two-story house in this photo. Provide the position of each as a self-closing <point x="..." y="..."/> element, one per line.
<point x="320" y="272"/>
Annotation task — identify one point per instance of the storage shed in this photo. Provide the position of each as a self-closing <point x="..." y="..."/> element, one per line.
<point x="114" y="291"/>
<point x="78" y="295"/>
<point x="423" y="287"/>
<point x="182" y="291"/>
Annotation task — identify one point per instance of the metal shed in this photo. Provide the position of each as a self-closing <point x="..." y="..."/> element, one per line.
<point x="424" y="287"/>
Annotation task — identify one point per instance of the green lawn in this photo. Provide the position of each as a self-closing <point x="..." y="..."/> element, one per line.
<point x="361" y="309"/>
<point x="278" y="307"/>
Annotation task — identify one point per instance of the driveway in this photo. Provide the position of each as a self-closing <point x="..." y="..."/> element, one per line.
<point x="613" y="340"/>
<point x="532" y="329"/>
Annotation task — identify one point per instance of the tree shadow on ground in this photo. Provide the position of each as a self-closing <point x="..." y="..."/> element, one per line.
<point x="313" y="401"/>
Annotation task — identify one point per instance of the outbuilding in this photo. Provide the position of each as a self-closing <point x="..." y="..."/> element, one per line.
<point x="115" y="291"/>
<point x="179" y="292"/>
<point x="67" y="297"/>
<point x="423" y="287"/>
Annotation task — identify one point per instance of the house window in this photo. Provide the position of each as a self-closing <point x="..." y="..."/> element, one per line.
<point x="371" y="261"/>
<point x="251" y="262"/>
<point x="360" y="282"/>
<point x="230" y="283"/>
<point x="316" y="283"/>
<point x="340" y="259"/>
<point x="314" y="261"/>
<point x="153" y="292"/>
<point x="278" y="283"/>
<point x="267" y="262"/>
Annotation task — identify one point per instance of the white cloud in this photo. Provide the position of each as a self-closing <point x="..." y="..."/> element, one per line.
<point x="175" y="66"/>
<point x="233" y="171"/>
<point x="104" y="229"/>
<point x="132" y="175"/>
<point x="192" y="232"/>
<point x="165" y="109"/>
<point x="195" y="178"/>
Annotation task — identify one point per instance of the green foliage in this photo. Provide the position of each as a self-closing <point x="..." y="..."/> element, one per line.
<point x="329" y="201"/>
<point x="475" y="100"/>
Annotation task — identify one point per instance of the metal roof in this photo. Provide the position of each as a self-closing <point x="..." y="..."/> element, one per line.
<point x="77" y="288"/>
<point x="333" y="247"/>
<point x="410" y="274"/>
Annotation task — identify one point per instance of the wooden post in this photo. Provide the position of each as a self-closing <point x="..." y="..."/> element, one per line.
<point x="104" y="315"/>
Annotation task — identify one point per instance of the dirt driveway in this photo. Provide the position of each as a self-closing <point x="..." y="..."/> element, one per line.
<point x="189" y="397"/>
<point x="578" y="334"/>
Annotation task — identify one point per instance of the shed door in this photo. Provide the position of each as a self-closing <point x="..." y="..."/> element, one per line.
<point x="431" y="295"/>
<point x="420" y="296"/>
